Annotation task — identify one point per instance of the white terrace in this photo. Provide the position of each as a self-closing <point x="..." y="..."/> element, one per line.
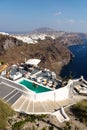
<point x="22" y="101"/>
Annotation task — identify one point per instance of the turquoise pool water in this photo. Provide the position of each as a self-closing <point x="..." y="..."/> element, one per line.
<point x="34" y="87"/>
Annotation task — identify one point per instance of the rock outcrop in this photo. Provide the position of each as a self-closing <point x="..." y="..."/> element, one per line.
<point x="7" y="42"/>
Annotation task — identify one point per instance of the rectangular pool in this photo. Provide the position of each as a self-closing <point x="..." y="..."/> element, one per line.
<point x="37" y="88"/>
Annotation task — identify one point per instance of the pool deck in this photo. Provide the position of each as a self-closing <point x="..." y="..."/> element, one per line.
<point x="20" y="102"/>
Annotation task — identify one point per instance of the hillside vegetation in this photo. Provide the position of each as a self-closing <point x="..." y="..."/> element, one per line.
<point x="5" y="113"/>
<point x="80" y="111"/>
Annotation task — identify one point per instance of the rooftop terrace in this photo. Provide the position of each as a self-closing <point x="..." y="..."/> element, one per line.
<point x="41" y="76"/>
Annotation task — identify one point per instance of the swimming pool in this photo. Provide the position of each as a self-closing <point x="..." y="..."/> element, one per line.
<point x="37" y="88"/>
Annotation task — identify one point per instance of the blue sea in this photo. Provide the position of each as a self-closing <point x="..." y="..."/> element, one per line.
<point x="78" y="65"/>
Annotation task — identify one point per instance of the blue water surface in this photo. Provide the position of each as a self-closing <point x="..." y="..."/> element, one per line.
<point x="78" y="65"/>
<point x="34" y="87"/>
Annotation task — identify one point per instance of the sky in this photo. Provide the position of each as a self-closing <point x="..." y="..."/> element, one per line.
<point x="27" y="15"/>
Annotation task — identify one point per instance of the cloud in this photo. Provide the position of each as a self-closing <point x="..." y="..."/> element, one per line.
<point x="57" y="13"/>
<point x="71" y="21"/>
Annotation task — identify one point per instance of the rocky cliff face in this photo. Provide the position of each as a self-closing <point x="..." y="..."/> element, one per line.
<point x="52" y="52"/>
<point x="69" y="39"/>
<point x="7" y="42"/>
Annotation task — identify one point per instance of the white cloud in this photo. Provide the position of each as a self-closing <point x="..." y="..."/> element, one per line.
<point x="57" y="13"/>
<point x="71" y="21"/>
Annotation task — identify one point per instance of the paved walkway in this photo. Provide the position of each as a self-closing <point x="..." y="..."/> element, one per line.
<point x="26" y="105"/>
<point x="61" y="115"/>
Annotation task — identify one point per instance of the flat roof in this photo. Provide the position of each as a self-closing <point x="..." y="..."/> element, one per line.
<point x="34" y="62"/>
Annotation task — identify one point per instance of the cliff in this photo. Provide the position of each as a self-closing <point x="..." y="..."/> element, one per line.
<point x="7" y="42"/>
<point x="53" y="53"/>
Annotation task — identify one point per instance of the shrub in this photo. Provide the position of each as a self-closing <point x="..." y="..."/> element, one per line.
<point x="51" y="128"/>
<point x="44" y="128"/>
<point x="30" y="118"/>
<point x="80" y="111"/>
<point x="67" y="126"/>
<point x="18" y="125"/>
<point x="2" y="63"/>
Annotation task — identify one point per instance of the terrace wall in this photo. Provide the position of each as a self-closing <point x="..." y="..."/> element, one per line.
<point x="56" y="95"/>
<point x="61" y="94"/>
<point x="45" y="96"/>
